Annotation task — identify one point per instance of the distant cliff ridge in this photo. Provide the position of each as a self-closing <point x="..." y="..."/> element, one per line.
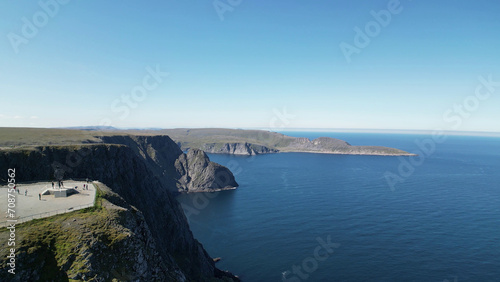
<point x="235" y="148"/>
<point x="210" y="140"/>
<point x="255" y="142"/>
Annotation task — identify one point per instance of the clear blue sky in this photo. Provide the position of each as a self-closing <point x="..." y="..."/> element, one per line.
<point x="262" y="58"/>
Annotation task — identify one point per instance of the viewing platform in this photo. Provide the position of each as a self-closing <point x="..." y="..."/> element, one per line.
<point x="39" y="200"/>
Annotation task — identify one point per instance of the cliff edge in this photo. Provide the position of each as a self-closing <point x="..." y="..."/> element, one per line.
<point x="131" y="173"/>
<point x="255" y="142"/>
<point x="191" y="172"/>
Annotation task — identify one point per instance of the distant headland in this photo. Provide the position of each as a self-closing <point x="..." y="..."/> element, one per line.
<point x="209" y="140"/>
<point x="255" y="142"/>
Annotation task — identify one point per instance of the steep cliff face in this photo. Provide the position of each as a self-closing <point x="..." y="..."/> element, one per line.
<point x="237" y="149"/>
<point x="191" y="172"/>
<point x="104" y="243"/>
<point x="131" y="177"/>
<point x="198" y="174"/>
<point x="253" y="142"/>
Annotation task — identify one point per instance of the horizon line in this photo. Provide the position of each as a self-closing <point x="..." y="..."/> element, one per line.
<point x="296" y="129"/>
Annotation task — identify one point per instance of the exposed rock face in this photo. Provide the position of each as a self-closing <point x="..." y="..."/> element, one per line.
<point x="254" y="142"/>
<point x="237" y="149"/>
<point x="198" y="174"/>
<point x="191" y="172"/>
<point x="133" y="177"/>
<point x="111" y="243"/>
<point x="319" y="145"/>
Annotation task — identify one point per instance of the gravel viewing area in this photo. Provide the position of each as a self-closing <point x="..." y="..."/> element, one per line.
<point x="52" y="201"/>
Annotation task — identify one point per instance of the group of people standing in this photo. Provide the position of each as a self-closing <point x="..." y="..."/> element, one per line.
<point x="19" y="191"/>
<point x="59" y="182"/>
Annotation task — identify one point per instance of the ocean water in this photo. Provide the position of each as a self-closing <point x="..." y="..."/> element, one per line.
<point x="440" y="222"/>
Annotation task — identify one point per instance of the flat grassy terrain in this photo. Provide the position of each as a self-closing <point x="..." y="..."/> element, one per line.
<point x="217" y="138"/>
<point x="16" y="137"/>
<point x="208" y="139"/>
<point x="200" y="136"/>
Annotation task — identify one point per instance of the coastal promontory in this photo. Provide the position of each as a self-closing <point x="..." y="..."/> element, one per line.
<point x="255" y="142"/>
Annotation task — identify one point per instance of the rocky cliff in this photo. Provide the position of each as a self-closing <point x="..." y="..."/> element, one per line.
<point x="198" y="174"/>
<point x="102" y="243"/>
<point x="254" y="142"/>
<point x="237" y="148"/>
<point x="191" y="172"/>
<point x="130" y="172"/>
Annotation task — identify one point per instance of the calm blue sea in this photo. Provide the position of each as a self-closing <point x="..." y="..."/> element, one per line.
<point x="441" y="222"/>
